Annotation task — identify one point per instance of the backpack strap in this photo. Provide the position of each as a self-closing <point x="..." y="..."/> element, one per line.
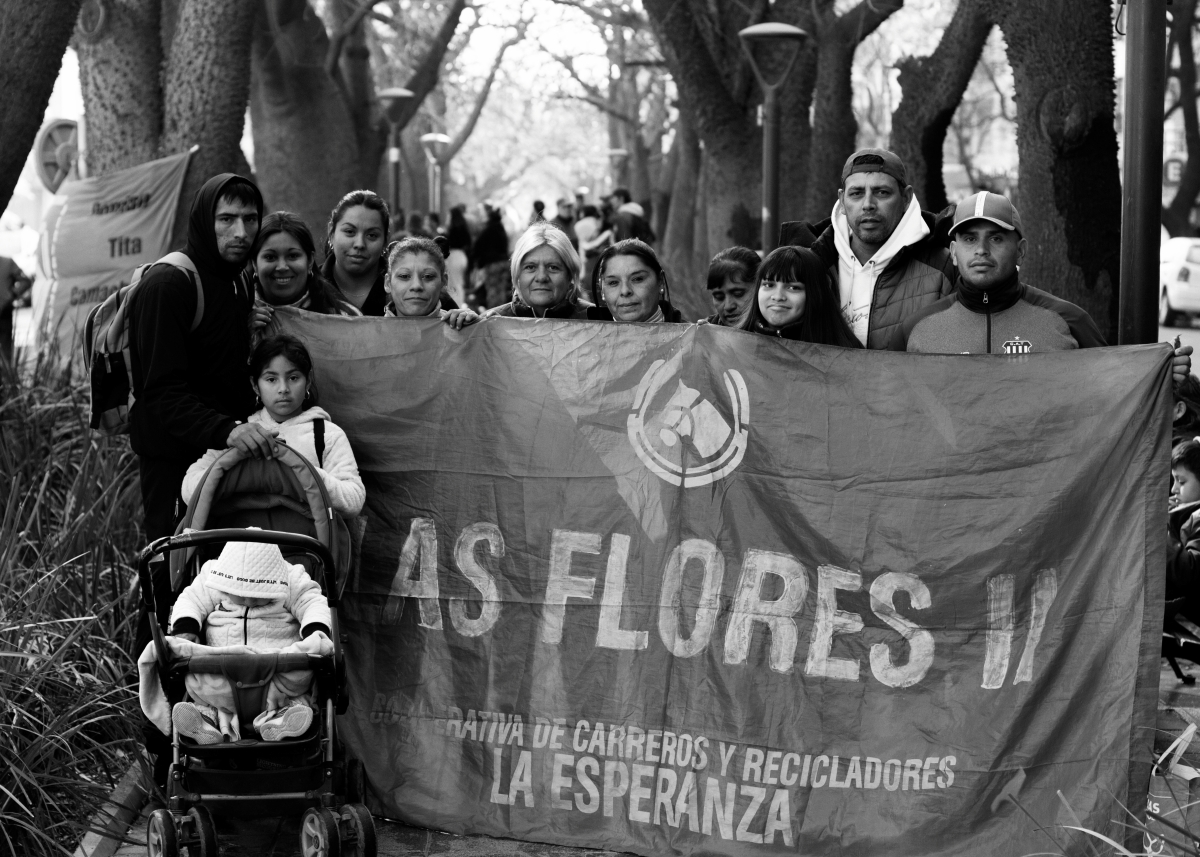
<point x="184" y="262"/>
<point x="319" y="440"/>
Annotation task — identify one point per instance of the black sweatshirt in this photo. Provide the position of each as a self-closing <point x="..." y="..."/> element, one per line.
<point x="191" y="387"/>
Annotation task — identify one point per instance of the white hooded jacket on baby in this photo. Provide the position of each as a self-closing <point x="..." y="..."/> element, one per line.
<point x="248" y="600"/>
<point x="296" y="608"/>
<point x="338" y="470"/>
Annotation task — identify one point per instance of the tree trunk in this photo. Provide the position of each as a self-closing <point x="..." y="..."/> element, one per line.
<point x="679" y="236"/>
<point x="305" y="146"/>
<point x="205" y="90"/>
<point x="724" y="121"/>
<point x="1176" y="216"/>
<point x="931" y="89"/>
<point x="835" y="130"/>
<point x="664" y="181"/>
<point x="1061" y="54"/>
<point x="120" y="68"/>
<point x="796" y="134"/>
<point x="35" y="36"/>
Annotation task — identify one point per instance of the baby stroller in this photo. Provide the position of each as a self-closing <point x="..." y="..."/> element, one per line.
<point x="308" y="774"/>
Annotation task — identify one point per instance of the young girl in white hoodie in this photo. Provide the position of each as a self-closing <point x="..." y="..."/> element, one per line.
<point x="281" y="373"/>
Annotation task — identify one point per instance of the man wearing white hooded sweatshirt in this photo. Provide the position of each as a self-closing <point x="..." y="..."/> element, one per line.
<point x="879" y="246"/>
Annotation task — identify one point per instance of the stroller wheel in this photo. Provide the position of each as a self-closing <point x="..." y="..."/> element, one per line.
<point x="204" y="831"/>
<point x="363" y="827"/>
<point x="162" y="839"/>
<point x="319" y="835"/>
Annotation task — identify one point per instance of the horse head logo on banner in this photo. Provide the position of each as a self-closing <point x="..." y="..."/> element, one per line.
<point x="683" y="437"/>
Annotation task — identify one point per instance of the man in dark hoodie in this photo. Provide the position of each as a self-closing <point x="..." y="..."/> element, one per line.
<point x="885" y="256"/>
<point x="190" y="386"/>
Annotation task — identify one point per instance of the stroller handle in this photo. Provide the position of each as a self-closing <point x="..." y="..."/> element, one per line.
<point x="222" y="663"/>
<point x="167" y="544"/>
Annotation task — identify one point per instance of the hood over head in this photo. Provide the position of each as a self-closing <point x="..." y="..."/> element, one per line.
<point x="201" y="234"/>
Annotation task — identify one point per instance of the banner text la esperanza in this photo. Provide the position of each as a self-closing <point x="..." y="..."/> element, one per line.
<point x="417" y="577"/>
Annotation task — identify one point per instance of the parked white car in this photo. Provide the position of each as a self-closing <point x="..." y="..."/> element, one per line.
<point x="1178" y="281"/>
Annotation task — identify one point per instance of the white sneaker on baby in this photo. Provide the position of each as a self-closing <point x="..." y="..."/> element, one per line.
<point x="290" y="722"/>
<point x="191" y="721"/>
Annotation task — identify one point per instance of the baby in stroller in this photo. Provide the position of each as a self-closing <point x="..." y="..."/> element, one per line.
<point x="250" y="596"/>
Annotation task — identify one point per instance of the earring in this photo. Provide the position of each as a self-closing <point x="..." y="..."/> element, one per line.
<point x="308" y="394"/>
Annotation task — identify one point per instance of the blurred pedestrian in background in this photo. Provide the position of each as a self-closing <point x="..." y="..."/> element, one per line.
<point x="490" y="258"/>
<point x="13" y="284"/>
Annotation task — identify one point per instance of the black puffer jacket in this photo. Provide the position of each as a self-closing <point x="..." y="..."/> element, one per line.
<point x="919" y="275"/>
<point x="191" y="387"/>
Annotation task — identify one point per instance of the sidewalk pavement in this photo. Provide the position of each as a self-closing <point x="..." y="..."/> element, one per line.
<point x="1178" y="706"/>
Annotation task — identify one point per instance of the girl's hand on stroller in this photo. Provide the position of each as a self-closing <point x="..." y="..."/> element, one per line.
<point x="253" y="439"/>
<point x="187" y="635"/>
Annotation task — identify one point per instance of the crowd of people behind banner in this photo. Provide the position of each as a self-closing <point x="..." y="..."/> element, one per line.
<point x="879" y="273"/>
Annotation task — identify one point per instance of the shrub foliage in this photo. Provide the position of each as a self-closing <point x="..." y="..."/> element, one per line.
<point x="69" y="531"/>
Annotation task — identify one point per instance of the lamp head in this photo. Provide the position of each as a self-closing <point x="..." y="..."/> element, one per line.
<point x="393" y="99"/>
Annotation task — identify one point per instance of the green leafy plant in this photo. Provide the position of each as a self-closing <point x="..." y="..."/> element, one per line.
<point x="69" y="513"/>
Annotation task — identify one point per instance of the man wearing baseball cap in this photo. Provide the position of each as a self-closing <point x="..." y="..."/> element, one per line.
<point x="879" y="246"/>
<point x="992" y="311"/>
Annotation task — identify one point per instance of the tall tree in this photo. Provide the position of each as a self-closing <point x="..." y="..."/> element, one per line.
<point x="834" y="129"/>
<point x="1183" y="93"/>
<point x="159" y="78"/>
<point x="704" y="53"/>
<point x="1070" y="192"/>
<point x="702" y="49"/>
<point x="318" y="131"/>
<point x="932" y="89"/>
<point x="633" y="97"/>
<point x="35" y="36"/>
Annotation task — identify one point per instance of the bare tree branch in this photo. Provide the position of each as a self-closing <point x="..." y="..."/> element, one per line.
<point x="468" y="127"/>
<point x="426" y="75"/>
<point x="338" y="39"/>
<point x="607" y="13"/>
<point x="591" y="93"/>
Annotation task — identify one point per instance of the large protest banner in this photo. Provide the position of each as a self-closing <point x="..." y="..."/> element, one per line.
<point x="682" y="589"/>
<point x="103" y="228"/>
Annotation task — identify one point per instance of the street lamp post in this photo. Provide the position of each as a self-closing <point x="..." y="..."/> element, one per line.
<point x="435" y="148"/>
<point x="1141" y="193"/>
<point x="393" y="101"/>
<point x="772" y="33"/>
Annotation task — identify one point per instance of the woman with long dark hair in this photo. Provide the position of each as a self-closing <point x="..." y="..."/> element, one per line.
<point x="284" y="260"/>
<point x="358" y="230"/>
<point x="794" y="300"/>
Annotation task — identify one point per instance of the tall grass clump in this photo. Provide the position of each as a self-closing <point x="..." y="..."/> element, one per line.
<point x="69" y="517"/>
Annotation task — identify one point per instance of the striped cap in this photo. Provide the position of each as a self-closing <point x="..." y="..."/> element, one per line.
<point x="991" y="207"/>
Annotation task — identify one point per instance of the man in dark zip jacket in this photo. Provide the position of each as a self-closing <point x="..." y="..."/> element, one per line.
<point x="991" y="310"/>
<point x="190" y="386"/>
<point x="886" y="257"/>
